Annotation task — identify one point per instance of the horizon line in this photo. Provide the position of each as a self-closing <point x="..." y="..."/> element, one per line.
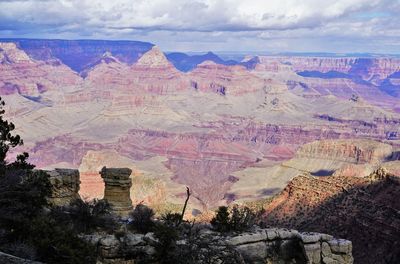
<point x="228" y="52"/>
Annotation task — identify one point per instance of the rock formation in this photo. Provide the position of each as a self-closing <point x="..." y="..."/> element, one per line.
<point x="364" y="210"/>
<point x="65" y="186"/>
<point x="117" y="189"/>
<point x="257" y="247"/>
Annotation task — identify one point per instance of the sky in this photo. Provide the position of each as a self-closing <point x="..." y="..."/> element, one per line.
<point x="340" y="26"/>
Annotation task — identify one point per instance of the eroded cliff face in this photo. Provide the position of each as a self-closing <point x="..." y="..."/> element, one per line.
<point x="352" y="151"/>
<point x="362" y="209"/>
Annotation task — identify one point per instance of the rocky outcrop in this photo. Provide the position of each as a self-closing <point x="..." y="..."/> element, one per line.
<point x="256" y="247"/>
<point x="117" y="189"/>
<point x="364" y="210"/>
<point x="65" y="186"/>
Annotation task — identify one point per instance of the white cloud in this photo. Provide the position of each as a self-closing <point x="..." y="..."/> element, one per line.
<point x="189" y="21"/>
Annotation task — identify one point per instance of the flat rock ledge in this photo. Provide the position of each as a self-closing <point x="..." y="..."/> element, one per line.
<point x="273" y="245"/>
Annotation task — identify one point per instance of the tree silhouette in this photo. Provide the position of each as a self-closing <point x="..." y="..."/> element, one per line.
<point x="7" y="141"/>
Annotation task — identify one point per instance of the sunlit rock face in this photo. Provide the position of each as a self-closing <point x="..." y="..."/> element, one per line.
<point x="65" y="185"/>
<point x="230" y="133"/>
<point x="154" y="74"/>
<point x="117" y="184"/>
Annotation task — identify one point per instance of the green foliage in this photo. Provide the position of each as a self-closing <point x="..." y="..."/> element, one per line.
<point x="142" y="219"/>
<point x="236" y="219"/>
<point x="8" y="140"/>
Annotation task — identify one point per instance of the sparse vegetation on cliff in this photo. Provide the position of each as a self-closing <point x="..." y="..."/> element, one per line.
<point x="238" y="218"/>
<point x="142" y="219"/>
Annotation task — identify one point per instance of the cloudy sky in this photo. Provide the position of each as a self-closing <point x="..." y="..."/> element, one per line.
<point x="217" y="25"/>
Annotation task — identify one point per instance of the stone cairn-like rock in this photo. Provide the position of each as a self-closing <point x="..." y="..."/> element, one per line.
<point x="65" y="186"/>
<point x="117" y="189"/>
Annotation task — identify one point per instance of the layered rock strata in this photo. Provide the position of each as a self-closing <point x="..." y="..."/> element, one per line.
<point x="117" y="189"/>
<point x="65" y="186"/>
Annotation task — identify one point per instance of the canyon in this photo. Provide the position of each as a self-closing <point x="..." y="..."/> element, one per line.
<point x="231" y="131"/>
